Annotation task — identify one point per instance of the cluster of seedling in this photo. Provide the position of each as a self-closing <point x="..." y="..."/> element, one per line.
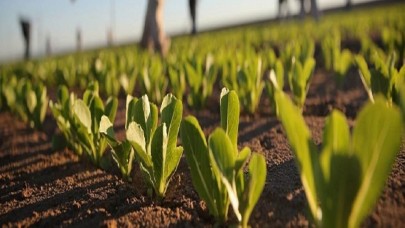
<point x="28" y="100"/>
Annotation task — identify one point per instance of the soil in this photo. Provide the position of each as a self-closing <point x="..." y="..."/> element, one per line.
<point x="42" y="187"/>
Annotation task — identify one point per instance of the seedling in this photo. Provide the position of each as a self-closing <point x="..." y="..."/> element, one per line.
<point x="27" y="99"/>
<point x="335" y="59"/>
<point x="79" y="121"/>
<point x="277" y="75"/>
<point x="217" y="166"/>
<point x="383" y="79"/>
<point x="250" y="84"/>
<point x="299" y="79"/>
<point x="63" y="114"/>
<point x="155" y="146"/>
<point x="122" y="152"/>
<point x="342" y="182"/>
<point x="201" y="74"/>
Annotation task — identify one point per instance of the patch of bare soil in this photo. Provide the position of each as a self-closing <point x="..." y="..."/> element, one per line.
<point x="42" y="187"/>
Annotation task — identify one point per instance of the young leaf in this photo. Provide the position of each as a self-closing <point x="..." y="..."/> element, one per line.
<point x="171" y="110"/>
<point x="82" y="113"/>
<point x="301" y="144"/>
<point x="222" y="151"/>
<point x="196" y="150"/>
<point x="135" y="136"/>
<point x="365" y="75"/>
<point x="229" y="103"/>
<point x="340" y="171"/>
<point x="376" y="141"/>
<point x="159" y="153"/>
<point x="257" y="180"/>
<point x="111" y="107"/>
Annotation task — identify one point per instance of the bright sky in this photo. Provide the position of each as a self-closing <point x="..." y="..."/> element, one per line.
<point x="59" y="20"/>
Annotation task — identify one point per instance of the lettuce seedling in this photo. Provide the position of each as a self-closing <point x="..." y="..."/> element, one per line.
<point x="300" y="78"/>
<point x="344" y="180"/>
<point x="217" y="166"/>
<point x="62" y="112"/>
<point x="177" y="81"/>
<point x="277" y="75"/>
<point x="104" y="71"/>
<point x="87" y="114"/>
<point x="128" y="81"/>
<point x="154" y="83"/>
<point x="300" y="50"/>
<point x="122" y="152"/>
<point x="79" y="121"/>
<point x="37" y="103"/>
<point x="335" y="59"/>
<point x="155" y="146"/>
<point x="382" y="79"/>
<point x="201" y="74"/>
<point x="250" y="84"/>
<point x="27" y="99"/>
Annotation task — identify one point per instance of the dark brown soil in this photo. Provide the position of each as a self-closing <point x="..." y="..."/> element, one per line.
<point x="41" y="187"/>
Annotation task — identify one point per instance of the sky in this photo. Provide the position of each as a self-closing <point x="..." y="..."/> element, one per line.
<point x="58" y="20"/>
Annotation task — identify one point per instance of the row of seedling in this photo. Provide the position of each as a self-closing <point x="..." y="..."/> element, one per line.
<point x="216" y="164"/>
<point x="342" y="179"/>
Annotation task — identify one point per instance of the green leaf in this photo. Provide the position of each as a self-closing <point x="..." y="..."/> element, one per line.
<point x="365" y="74"/>
<point x="376" y="142"/>
<point x="135" y="136"/>
<point x="242" y="158"/>
<point x="196" y="150"/>
<point x="380" y="84"/>
<point x="130" y="110"/>
<point x="43" y="104"/>
<point x="307" y="71"/>
<point x="336" y="139"/>
<point x="257" y="180"/>
<point x="305" y="151"/>
<point x="172" y="161"/>
<point x="111" y="108"/>
<point x="172" y="110"/>
<point x="159" y="153"/>
<point x="223" y="152"/>
<point x="229" y="108"/>
<point x="341" y="173"/>
<point x="146" y="115"/>
<point x="106" y="128"/>
<point x="123" y="155"/>
<point x="31" y="100"/>
<point x="96" y="108"/>
<point x="63" y="94"/>
<point x="82" y="113"/>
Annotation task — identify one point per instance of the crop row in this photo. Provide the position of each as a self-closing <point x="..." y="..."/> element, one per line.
<point x="342" y="180"/>
<point x="238" y="59"/>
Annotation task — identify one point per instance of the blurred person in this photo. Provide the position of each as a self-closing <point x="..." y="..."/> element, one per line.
<point x="314" y="8"/>
<point x="193" y="4"/>
<point x="348" y="4"/>
<point x="78" y="40"/>
<point x="283" y="9"/>
<point x="26" y="31"/>
<point x="154" y="37"/>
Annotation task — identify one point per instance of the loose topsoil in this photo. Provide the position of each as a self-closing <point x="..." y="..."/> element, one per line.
<point x="42" y="187"/>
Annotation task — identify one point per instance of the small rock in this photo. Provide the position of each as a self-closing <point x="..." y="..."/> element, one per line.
<point x="270" y="214"/>
<point x="26" y="192"/>
<point x="111" y="224"/>
<point x="76" y="204"/>
<point x="290" y="196"/>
